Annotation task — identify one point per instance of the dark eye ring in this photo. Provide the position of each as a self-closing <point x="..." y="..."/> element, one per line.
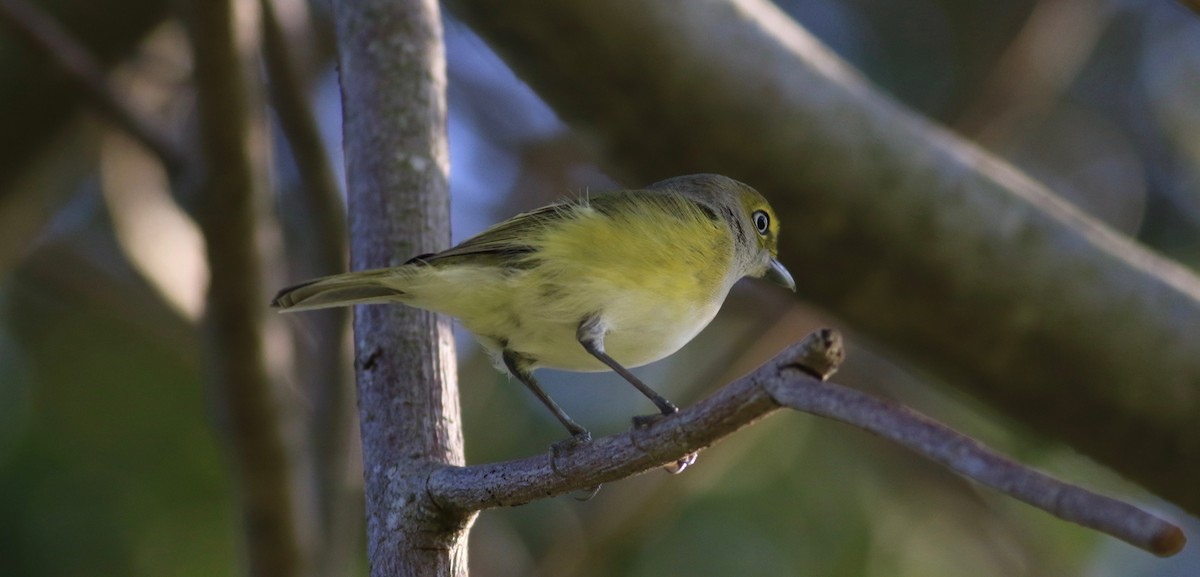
<point x="762" y="222"/>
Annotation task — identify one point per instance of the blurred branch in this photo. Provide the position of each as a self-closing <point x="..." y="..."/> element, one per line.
<point x="43" y="188"/>
<point x="39" y="105"/>
<point x="317" y="246"/>
<point x="919" y="239"/>
<point x="793" y="379"/>
<point x="1034" y="71"/>
<point x="1194" y="5"/>
<point x="289" y="95"/>
<point x="393" y="79"/>
<point x="235" y="300"/>
<point x="43" y="33"/>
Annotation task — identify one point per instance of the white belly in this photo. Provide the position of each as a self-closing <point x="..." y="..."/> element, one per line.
<point x="636" y="334"/>
<point x="539" y="323"/>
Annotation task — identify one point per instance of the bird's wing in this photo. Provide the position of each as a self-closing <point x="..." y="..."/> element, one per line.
<point x="507" y="242"/>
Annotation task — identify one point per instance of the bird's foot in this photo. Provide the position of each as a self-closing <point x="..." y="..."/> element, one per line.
<point x="571" y="443"/>
<point x="676" y="467"/>
<point x="587" y="494"/>
<point x="644" y="421"/>
<point x="564" y="447"/>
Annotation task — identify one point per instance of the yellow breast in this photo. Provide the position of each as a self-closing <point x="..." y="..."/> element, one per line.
<point x="654" y="280"/>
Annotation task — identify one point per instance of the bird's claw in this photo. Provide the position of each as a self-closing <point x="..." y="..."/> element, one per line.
<point x="557" y="450"/>
<point x="645" y="421"/>
<point x="676" y="467"/>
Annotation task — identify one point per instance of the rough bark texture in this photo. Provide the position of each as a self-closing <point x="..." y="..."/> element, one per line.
<point x="917" y="238"/>
<point x="394" y="110"/>
<point x="795" y="379"/>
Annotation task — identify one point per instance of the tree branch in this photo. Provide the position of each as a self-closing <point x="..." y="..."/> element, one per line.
<point x="793" y="379"/>
<point x="921" y="240"/>
<point x="42" y="32"/>
<point x="235" y="299"/>
<point x="392" y="66"/>
<point x="967" y="457"/>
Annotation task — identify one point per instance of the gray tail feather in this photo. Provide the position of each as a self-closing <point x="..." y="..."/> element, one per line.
<point x="352" y="288"/>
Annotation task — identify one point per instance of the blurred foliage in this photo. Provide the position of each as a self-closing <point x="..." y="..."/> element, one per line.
<point x="109" y="463"/>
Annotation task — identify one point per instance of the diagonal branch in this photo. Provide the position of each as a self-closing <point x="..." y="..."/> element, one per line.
<point x="918" y="238"/>
<point x="42" y="32"/>
<point x="793" y="379"/>
<point x="969" y="458"/>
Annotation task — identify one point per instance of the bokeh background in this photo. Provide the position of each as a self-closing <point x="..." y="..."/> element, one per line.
<point x="111" y="458"/>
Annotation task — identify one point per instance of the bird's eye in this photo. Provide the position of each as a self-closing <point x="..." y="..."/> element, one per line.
<point x="762" y="222"/>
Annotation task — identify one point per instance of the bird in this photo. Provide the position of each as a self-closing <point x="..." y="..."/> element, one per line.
<point x="610" y="281"/>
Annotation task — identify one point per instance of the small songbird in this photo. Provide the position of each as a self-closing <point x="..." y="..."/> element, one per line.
<point x="613" y="281"/>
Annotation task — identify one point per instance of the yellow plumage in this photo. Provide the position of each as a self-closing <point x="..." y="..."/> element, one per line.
<point x="631" y="275"/>
<point x="588" y="262"/>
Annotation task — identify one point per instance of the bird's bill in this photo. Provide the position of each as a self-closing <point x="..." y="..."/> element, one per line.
<point x="779" y="275"/>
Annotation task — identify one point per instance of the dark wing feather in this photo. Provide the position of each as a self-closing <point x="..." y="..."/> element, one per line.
<point x="507" y="241"/>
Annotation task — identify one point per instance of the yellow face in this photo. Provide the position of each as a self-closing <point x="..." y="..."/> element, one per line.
<point x="760" y="221"/>
<point x="763" y="221"/>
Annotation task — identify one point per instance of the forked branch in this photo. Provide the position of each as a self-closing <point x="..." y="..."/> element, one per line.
<point x="793" y="379"/>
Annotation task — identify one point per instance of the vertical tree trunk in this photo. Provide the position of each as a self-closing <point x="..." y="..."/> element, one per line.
<point x="392" y="66"/>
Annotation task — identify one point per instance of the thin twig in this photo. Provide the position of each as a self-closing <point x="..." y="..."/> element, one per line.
<point x="42" y="32"/>
<point x="775" y="384"/>
<point x="234" y="313"/>
<point x="967" y="457"/>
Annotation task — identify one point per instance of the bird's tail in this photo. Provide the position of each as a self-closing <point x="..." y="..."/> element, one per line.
<point x="352" y="288"/>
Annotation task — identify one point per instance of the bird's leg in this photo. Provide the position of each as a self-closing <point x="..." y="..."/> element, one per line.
<point x="591" y="336"/>
<point x="518" y="365"/>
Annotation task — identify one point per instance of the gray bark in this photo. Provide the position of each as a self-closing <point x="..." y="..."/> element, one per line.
<point x="394" y="109"/>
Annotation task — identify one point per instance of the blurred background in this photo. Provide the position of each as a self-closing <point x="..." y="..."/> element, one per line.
<point x="111" y="452"/>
